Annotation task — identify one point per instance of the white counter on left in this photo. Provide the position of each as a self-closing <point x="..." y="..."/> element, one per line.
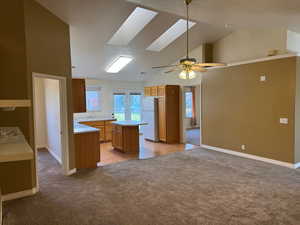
<point x="13" y="146"/>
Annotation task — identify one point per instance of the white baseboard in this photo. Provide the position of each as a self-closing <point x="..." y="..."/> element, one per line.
<point x="71" y="172"/>
<point x="249" y="156"/>
<point x="20" y="194"/>
<point x="41" y="146"/>
<point x="297" y="165"/>
<point x="54" y="155"/>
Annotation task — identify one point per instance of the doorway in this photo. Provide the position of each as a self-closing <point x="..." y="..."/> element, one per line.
<point x="191" y="95"/>
<point x="50" y="119"/>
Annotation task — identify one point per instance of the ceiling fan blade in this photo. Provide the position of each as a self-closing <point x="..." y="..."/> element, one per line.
<point x="210" y="64"/>
<point x="198" y="69"/>
<point x="172" y="70"/>
<point x="159" y="67"/>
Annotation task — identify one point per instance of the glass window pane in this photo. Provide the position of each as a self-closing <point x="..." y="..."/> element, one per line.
<point x="189" y="104"/>
<point x="135" y="107"/>
<point x="119" y="106"/>
<point x="93" y="101"/>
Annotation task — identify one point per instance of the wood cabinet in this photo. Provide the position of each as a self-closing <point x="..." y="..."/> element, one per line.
<point x="161" y="90"/>
<point x="125" y="138"/>
<point x="147" y="91"/>
<point x="79" y="95"/>
<point x="108" y="130"/>
<point x="105" y="129"/>
<point x="162" y="119"/>
<point x="169" y="115"/>
<point x="154" y="91"/>
<point x="87" y="150"/>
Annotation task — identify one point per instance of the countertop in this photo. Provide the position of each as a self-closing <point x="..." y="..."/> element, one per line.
<point x="81" y="128"/>
<point x="13" y="145"/>
<point x="129" y="123"/>
<point x="90" y="119"/>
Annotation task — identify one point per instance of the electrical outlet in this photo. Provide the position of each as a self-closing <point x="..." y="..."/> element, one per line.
<point x="284" y="120"/>
<point x="243" y="147"/>
<point x="263" y="78"/>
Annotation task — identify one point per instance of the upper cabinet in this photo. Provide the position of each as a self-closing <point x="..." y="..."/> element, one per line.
<point x="155" y="91"/>
<point x="79" y="96"/>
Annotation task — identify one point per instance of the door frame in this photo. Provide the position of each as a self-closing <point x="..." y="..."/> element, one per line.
<point x="183" y="124"/>
<point x="63" y="120"/>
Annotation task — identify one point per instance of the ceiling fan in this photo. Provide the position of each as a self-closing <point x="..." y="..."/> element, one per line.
<point x="189" y="66"/>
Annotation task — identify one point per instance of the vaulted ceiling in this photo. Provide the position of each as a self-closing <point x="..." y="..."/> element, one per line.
<point x="237" y="13"/>
<point x="94" y="22"/>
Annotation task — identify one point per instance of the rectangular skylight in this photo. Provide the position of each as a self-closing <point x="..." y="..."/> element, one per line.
<point x="134" y="24"/>
<point x="170" y="35"/>
<point x="119" y="64"/>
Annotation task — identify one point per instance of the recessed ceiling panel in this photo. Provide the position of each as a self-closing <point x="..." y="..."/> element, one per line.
<point x="170" y="35"/>
<point x="133" y="25"/>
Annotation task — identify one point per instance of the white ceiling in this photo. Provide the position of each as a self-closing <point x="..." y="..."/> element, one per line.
<point x="94" y="22"/>
<point x="238" y="13"/>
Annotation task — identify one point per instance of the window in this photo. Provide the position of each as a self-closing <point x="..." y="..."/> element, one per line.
<point x="119" y="106"/>
<point x="93" y="99"/>
<point x="128" y="106"/>
<point x="189" y="104"/>
<point x="135" y="106"/>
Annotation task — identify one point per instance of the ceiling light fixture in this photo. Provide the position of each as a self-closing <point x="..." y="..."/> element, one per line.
<point x="188" y="65"/>
<point x="119" y="64"/>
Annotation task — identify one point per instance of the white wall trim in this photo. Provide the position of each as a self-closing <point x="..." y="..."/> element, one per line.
<point x="297" y="165"/>
<point x="20" y="194"/>
<point x="71" y="172"/>
<point x="64" y="121"/>
<point x="245" y="155"/>
<point x="54" y="155"/>
<point x="41" y="146"/>
<point x="257" y="60"/>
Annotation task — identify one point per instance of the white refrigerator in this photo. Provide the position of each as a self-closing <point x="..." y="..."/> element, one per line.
<point x="150" y="116"/>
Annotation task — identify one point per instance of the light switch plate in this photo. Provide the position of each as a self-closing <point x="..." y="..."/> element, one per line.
<point x="263" y="78"/>
<point x="284" y="120"/>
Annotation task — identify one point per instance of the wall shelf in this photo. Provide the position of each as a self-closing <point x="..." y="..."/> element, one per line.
<point x="12" y="103"/>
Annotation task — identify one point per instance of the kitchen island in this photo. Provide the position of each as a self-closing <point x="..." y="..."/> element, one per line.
<point x="125" y="136"/>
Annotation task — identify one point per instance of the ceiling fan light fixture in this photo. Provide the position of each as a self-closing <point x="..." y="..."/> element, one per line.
<point x="187" y="75"/>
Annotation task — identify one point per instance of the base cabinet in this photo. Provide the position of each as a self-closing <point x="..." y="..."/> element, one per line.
<point x="125" y="138"/>
<point x="87" y="150"/>
<point x="105" y="129"/>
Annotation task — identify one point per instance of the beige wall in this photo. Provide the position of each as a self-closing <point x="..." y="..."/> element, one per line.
<point x="251" y="44"/>
<point x="238" y="109"/>
<point x="46" y="50"/>
<point x="297" y="114"/>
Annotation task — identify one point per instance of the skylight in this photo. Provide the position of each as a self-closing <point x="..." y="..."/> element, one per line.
<point x="119" y="64"/>
<point x="133" y="25"/>
<point x="170" y="35"/>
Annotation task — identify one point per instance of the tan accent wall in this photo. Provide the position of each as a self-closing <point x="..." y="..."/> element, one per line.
<point x="32" y="40"/>
<point x="48" y="51"/>
<point x="238" y="109"/>
<point x="250" y="44"/>
<point x="13" y="85"/>
<point x="297" y="114"/>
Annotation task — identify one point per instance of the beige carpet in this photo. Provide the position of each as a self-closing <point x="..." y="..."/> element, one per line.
<point x="198" y="187"/>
